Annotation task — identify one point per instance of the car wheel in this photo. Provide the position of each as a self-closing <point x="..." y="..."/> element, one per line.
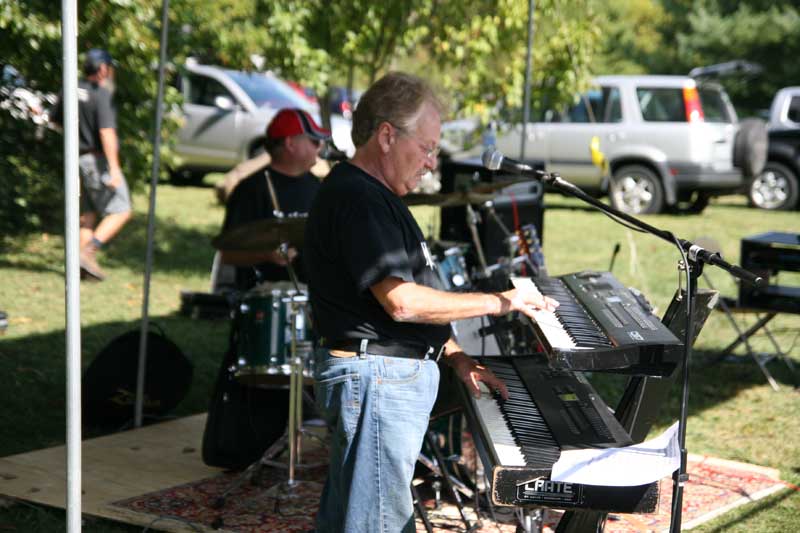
<point x="636" y="190"/>
<point x="775" y="188"/>
<point x="750" y="147"/>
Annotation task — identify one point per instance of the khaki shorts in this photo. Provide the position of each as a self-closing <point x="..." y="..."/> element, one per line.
<point x="95" y="194"/>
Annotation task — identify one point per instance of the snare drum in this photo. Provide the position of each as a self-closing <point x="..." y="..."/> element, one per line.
<point x="453" y="270"/>
<point x="266" y="317"/>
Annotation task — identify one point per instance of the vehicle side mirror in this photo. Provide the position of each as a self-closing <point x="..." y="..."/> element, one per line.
<point x="224" y="102"/>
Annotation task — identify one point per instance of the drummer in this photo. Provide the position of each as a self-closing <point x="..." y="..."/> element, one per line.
<point x="293" y="141"/>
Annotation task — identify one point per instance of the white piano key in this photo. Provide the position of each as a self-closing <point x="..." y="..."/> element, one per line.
<point x="506" y="450"/>
<point x="547" y="321"/>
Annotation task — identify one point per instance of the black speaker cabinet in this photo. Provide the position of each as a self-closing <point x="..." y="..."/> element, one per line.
<point x="528" y="197"/>
<point x="774" y="256"/>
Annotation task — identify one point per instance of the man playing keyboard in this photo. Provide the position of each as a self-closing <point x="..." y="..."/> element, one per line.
<point x="382" y="325"/>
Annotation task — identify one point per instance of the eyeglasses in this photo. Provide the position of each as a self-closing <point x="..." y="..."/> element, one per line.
<point x="430" y="153"/>
<point x="316" y="142"/>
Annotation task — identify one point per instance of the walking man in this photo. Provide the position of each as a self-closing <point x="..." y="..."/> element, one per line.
<point x="105" y="198"/>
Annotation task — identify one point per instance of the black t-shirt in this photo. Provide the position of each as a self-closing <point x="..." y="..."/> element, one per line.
<point x="359" y="233"/>
<point x="250" y="201"/>
<point x="95" y="111"/>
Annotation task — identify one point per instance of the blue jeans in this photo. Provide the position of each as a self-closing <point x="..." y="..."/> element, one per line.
<point x="377" y="409"/>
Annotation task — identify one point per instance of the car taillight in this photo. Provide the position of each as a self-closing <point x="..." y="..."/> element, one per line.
<point x="691" y="101"/>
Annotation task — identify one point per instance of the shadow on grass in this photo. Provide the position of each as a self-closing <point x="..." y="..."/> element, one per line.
<point x="709" y="384"/>
<point x="33" y="414"/>
<point x="33" y="399"/>
<point x="176" y="249"/>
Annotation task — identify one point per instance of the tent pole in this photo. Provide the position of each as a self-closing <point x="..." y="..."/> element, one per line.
<point x="69" y="60"/>
<point x="151" y="217"/>
<point x="526" y="109"/>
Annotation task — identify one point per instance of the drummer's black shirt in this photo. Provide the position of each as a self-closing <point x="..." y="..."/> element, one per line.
<point x="359" y="233"/>
<point x="250" y="201"/>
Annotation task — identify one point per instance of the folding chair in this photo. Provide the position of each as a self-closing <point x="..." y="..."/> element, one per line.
<point x="730" y="306"/>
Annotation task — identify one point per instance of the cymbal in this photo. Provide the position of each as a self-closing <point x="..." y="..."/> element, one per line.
<point x="453" y="199"/>
<point x="262" y="235"/>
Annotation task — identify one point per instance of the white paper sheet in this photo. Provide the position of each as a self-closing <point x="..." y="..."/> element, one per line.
<point x="638" y="464"/>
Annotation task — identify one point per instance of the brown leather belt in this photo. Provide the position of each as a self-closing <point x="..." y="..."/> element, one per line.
<point x="386" y="348"/>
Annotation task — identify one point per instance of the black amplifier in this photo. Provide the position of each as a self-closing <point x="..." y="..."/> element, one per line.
<point x="774" y="256"/>
<point x="527" y="198"/>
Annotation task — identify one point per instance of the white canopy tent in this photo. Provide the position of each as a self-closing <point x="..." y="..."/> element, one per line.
<point x="69" y="36"/>
<point x="69" y="22"/>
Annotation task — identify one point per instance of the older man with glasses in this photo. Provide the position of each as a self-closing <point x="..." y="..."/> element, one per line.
<point x="293" y="142"/>
<point x="383" y="327"/>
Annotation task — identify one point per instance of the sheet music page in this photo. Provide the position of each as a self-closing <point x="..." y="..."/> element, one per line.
<point x="633" y="465"/>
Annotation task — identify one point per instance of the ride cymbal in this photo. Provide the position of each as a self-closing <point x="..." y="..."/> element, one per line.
<point x="262" y="235"/>
<point x="453" y="199"/>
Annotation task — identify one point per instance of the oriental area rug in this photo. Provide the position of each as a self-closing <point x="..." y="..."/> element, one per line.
<point x="268" y="505"/>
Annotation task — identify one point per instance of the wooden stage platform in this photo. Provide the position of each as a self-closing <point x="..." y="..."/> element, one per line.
<point x="115" y="467"/>
<point x="165" y="459"/>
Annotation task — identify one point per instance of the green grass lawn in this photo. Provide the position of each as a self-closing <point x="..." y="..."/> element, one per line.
<point x="734" y="414"/>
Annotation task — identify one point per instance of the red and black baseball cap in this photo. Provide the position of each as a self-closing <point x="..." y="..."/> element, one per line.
<point x="293" y="121"/>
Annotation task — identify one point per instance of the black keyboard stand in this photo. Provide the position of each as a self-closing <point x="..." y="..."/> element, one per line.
<point x="644" y="396"/>
<point x="693" y="259"/>
<point x="439" y="468"/>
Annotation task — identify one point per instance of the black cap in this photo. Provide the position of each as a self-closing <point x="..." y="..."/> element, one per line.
<point x="96" y="57"/>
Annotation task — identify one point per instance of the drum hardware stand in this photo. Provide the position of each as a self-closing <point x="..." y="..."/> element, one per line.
<point x="294" y="432"/>
<point x="693" y="259"/>
<point x="472" y="224"/>
<point x="284" y="251"/>
<point x="511" y="237"/>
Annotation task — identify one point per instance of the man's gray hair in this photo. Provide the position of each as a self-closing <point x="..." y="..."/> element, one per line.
<point x="397" y="98"/>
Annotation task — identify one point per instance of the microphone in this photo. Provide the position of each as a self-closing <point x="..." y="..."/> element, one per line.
<point x="495" y="160"/>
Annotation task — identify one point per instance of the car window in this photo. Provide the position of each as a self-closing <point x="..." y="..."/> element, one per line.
<point x="715" y="105"/>
<point x="203" y="90"/>
<point x="596" y="105"/>
<point x="794" y="109"/>
<point x="661" y="105"/>
<point x="613" y="105"/>
<point x="267" y="90"/>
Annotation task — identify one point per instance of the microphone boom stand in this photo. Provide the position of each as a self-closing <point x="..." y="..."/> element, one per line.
<point x="697" y="258"/>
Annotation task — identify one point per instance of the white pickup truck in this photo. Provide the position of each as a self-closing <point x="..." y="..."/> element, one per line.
<point x="778" y="185"/>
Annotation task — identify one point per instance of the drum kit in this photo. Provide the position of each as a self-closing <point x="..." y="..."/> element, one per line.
<point x="274" y="345"/>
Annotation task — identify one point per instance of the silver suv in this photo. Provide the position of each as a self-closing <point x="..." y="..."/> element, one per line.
<point x="226" y="113"/>
<point x="668" y="141"/>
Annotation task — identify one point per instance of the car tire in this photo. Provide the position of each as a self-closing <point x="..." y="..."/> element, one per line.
<point x="750" y="147"/>
<point x="776" y="188"/>
<point x="637" y="190"/>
